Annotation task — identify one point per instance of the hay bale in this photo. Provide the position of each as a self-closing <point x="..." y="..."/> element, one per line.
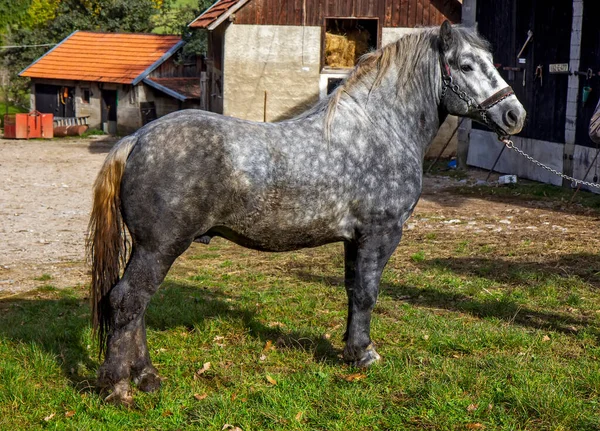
<point x="344" y="50"/>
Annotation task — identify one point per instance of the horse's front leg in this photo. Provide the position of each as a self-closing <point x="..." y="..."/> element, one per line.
<point x="370" y="253"/>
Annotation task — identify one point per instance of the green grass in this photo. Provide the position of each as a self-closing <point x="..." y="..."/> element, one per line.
<point x="473" y="335"/>
<point x="460" y="348"/>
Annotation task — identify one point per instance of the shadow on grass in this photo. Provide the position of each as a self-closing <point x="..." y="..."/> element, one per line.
<point x="584" y="266"/>
<point x="179" y="305"/>
<point x="60" y="326"/>
<point x="503" y="309"/>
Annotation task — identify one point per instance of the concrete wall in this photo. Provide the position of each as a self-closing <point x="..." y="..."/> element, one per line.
<point x="392" y="34"/>
<point x="284" y="61"/>
<point x="582" y="159"/>
<point x="129" y="117"/>
<point x="485" y="147"/>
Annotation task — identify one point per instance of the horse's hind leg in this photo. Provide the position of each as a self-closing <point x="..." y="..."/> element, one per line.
<point x="370" y="254"/>
<point x="127" y="354"/>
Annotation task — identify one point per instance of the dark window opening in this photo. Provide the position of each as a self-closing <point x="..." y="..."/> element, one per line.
<point x="333" y="83"/>
<point x="85" y="95"/>
<point x="347" y="39"/>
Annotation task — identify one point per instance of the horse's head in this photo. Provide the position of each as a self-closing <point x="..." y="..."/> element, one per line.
<point x="471" y="85"/>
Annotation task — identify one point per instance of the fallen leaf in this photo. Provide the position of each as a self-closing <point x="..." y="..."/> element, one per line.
<point x="276" y="324"/>
<point x="218" y="338"/>
<point x="299" y="416"/>
<point x="268" y="346"/>
<point x="354" y="377"/>
<point x="263" y="357"/>
<point x="472" y="407"/>
<point x="49" y="417"/>
<point x="475" y="426"/>
<point x="233" y="396"/>
<point x="200" y="397"/>
<point x="70" y="413"/>
<point x="271" y="380"/>
<point x="167" y="413"/>
<point x="546" y="338"/>
<point x="202" y="370"/>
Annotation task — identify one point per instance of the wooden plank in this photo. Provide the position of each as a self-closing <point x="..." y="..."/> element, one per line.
<point x="370" y="8"/>
<point x="403" y="22"/>
<point x="412" y="13"/>
<point x="434" y="14"/>
<point x="290" y="12"/>
<point x="268" y="12"/>
<point x="395" y="13"/>
<point x="281" y="12"/>
<point x="312" y="12"/>
<point x="387" y="14"/>
<point x="247" y="14"/>
<point x="426" y="6"/>
<point x="299" y="11"/>
<point x="259" y="11"/>
<point x="419" y="13"/>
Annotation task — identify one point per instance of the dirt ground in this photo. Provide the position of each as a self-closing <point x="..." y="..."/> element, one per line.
<point x="45" y="198"/>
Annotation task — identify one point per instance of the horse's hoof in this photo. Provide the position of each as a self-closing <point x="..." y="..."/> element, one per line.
<point x="121" y="394"/>
<point x="148" y="381"/>
<point x="368" y="357"/>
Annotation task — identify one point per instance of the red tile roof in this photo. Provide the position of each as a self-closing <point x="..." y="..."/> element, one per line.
<point x="187" y="87"/>
<point x="213" y="13"/>
<point x="103" y="57"/>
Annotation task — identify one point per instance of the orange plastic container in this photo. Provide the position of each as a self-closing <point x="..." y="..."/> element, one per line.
<point x="26" y="126"/>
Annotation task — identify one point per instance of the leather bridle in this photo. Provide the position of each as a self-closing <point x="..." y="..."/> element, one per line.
<point x="483" y="107"/>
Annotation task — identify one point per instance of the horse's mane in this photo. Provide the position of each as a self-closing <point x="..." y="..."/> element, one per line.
<point x="406" y="51"/>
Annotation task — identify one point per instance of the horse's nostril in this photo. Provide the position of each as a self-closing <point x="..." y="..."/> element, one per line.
<point x="511" y="118"/>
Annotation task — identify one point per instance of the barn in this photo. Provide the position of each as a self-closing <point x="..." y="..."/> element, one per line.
<point x="113" y="81"/>
<point x="549" y="52"/>
<point x="268" y="60"/>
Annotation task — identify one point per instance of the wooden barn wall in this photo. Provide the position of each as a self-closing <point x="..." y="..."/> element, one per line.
<point x="505" y="25"/>
<point x="391" y="13"/>
<point x="590" y="58"/>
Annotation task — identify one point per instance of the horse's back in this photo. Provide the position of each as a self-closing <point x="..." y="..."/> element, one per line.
<point x="192" y="170"/>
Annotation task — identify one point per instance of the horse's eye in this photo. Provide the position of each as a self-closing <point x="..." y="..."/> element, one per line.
<point x="466" y="68"/>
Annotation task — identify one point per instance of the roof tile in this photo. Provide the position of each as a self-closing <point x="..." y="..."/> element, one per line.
<point x="213" y="13"/>
<point x="103" y="57"/>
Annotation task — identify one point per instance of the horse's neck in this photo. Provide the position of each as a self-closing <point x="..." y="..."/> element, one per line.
<point x="408" y="116"/>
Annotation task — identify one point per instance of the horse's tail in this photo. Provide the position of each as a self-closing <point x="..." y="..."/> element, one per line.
<point x="107" y="240"/>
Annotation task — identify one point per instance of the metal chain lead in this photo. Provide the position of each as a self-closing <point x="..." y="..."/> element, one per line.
<point x="511" y="145"/>
<point x="449" y="82"/>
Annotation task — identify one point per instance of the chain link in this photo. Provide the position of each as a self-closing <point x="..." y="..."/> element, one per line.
<point x="448" y="82"/>
<point x="511" y="145"/>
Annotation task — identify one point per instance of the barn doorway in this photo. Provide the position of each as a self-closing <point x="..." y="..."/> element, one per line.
<point x="109" y="111"/>
<point x="347" y="39"/>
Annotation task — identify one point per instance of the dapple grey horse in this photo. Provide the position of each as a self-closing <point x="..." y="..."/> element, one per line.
<point x="349" y="169"/>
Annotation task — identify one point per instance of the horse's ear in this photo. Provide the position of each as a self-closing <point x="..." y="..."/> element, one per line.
<point x="446" y="35"/>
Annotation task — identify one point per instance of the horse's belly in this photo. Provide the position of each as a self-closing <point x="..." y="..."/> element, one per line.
<point x="268" y="235"/>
